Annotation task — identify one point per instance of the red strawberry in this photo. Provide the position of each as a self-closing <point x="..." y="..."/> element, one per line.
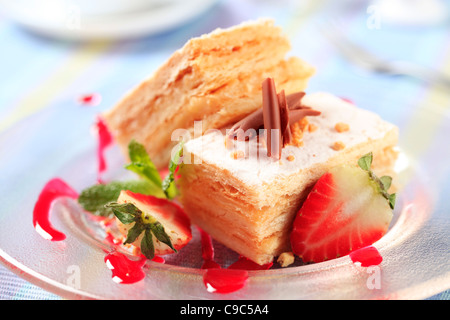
<point x="170" y="219"/>
<point x="347" y="209"/>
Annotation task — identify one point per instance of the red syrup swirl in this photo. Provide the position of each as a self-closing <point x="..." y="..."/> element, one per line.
<point x="53" y="190"/>
<point x="228" y="280"/>
<point x="105" y="139"/>
<point x="367" y="256"/>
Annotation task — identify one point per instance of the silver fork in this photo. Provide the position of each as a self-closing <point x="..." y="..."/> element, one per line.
<point x="369" y="61"/>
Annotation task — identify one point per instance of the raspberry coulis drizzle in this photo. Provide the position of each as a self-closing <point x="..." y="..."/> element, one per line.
<point x="219" y="280"/>
<point x="54" y="189"/>
<point x="105" y="139"/>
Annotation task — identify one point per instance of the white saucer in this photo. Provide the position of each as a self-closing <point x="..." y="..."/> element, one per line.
<point x="68" y="22"/>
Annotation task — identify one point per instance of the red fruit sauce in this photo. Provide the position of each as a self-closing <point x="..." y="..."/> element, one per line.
<point x="90" y="100"/>
<point x="207" y="251"/>
<point x="224" y="280"/>
<point x="125" y="270"/>
<point x="105" y="139"/>
<point x="228" y="280"/>
<point x="54" y="189"/>
<point x="367" y="256"/>
<point x="347" y="100"/>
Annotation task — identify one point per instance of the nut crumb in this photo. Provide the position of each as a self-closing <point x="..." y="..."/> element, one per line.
<point x="338" y="145"/>
<point x="237" y="154"/>
<point x="341" y="127"/>
<point x="312" y="127"/>
<point x="286" y="259"/>
<point x="290" y="157"/>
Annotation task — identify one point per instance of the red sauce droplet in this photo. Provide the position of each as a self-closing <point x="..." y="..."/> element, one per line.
<point x="105" y="139"/>
<point x="54" y="189"/>
<point x="347" y="100"/>
<point x="367" y="256"/>
<point x="228" y="280"/>
<point x="90" y="100"/>
<point x="224" y="280"/>
<point x="125" y="270"/>
<point x="246" y="264"/>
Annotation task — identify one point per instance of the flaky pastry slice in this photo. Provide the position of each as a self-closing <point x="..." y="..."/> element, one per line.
<point x="248" y="200"/>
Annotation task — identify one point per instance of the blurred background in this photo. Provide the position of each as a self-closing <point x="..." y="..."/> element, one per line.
<point x="55" y="53"/>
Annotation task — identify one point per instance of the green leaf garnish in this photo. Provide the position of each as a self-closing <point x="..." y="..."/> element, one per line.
<point x="384" y="183"/>
<point x="94" y="198"/>
<point x="365" y="162"/>
<point x="168" y="184"/>
<point x="392" y="198"/>
<point x="141" y="163"/>
<point x="128" y="213"/>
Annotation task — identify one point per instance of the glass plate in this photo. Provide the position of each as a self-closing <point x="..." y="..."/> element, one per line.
<point x="58" y="142"/>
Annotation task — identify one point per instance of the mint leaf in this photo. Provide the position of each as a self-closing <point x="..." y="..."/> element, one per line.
<point x="147" y="247"/>
<point x="94" y="198"/>
<point x="365" y="161"/>
<point x="391" y="200"/>
<point x="386" y="181"/>
<point x="168" y="184"/>
<point x="141" y="163"/>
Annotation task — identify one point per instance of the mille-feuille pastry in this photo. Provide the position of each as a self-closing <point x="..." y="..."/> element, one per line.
<point x="244" y="188"/>
<point x="214" y="78"/>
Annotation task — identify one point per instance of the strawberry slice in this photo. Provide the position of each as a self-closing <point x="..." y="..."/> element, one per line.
<point x="347" y="209"/>
<point x="156" y="226"/>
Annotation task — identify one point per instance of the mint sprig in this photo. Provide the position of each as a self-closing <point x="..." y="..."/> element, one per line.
<point x="384" y="183"/>
<point x="145" y="223"/>
<point x="141" y="164"/>
<point x="93" y="199"/>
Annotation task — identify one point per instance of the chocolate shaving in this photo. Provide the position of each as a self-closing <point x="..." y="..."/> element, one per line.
<point x="272" y="121"/>
<point x="294" y="100"/>
<point x="279" y="111"/>
<point x="284" y="119"/>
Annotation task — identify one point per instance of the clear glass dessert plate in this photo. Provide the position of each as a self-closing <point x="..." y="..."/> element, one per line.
<point x="58" y="142"/>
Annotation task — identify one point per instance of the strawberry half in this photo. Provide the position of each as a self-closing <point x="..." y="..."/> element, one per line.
<point x="156" y="226"/>
<point x="347" y="209"/>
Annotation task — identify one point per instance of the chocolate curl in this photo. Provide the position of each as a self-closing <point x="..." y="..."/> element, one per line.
<point x="272" y="121"/>
<point x="298" y="114"/>
<point x="252" y="121"/>
<point x="294" y="100"/>
<point x="284" y="119"/>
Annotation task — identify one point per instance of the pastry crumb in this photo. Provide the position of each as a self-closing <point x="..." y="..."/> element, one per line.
<point x="291" y="158"/>
<point x="286" y="259"/>
<point x="338" y="145"/>
<point x="341" y="127"/>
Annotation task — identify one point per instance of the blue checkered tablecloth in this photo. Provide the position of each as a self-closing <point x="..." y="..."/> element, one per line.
<point x="42" y="71"/>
